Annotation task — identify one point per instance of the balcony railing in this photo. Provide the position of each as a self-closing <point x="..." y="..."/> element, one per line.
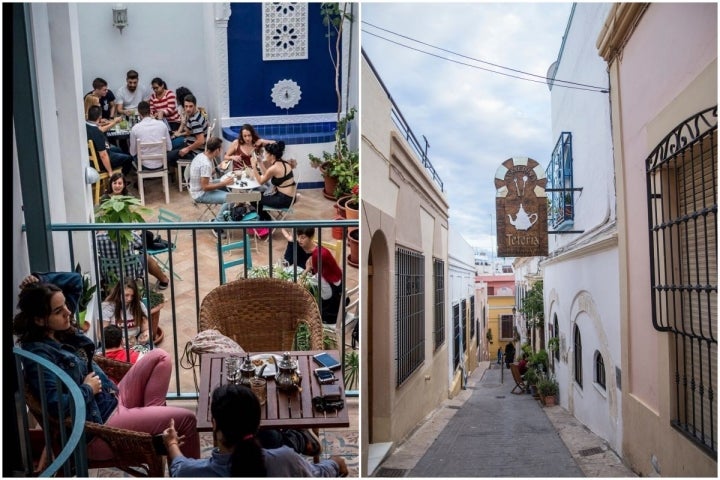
<point x="71" y="459"/>
<point x="202" y="282"/>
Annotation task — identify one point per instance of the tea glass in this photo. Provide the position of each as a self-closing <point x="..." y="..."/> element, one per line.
<point x="232" y="369"/>
<point x="259" y="387"/>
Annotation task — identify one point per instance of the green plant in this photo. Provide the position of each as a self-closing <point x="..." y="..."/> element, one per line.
<point x="87" y="292"/>
<point x="333" y="18"/>
<point x="547" y="386"/>
<point x="151" y="298"/>
<point x="531" y="376"/>
<point x="539" y="360"/>
<point x="533" y="306"/>
<point x="121" y="209"/>
<point x="526" y="349"/>
<point x="303" y="278"/>
<point x="553" y="344"/>
<point x="354" y="201"/>
<point x="488" y="335"/>
<point x="342" y="163"/>
<point x="352" y="368"/>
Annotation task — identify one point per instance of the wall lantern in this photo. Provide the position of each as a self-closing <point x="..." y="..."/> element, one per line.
<point x="120" y="16"/>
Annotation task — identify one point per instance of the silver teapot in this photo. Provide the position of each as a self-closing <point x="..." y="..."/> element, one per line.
<point x="287" y="378"/>
<point x="247" y="371"/>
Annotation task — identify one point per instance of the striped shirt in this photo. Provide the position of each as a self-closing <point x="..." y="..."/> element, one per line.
<point x="167" y="105"/>
<point x="196" y="124"/>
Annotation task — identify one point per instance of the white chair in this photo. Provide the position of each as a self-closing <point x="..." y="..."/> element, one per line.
<point x="152" y="151"/>
<point x="182" y="164"/>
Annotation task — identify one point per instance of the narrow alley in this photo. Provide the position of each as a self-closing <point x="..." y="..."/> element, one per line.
<point x="486" y="431"/>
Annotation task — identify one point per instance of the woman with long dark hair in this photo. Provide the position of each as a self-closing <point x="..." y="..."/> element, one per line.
<point x="43" y="327"/>
<point x="236" y="419"/>
<point x="280" y="174"/>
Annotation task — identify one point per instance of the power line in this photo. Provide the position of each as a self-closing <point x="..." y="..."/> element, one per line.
<point x="555" y="82"/>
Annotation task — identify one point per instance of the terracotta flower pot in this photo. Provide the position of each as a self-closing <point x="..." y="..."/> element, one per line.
<point x="351" y="212"/>
<point x="330" y="184"/>
<point x="340" y="206"/>
<point x="353" y="238"/>
<point x="337" y="232"/>
<point x="158" y="334"/>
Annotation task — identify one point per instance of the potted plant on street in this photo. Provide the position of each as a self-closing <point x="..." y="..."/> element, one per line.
<point x="548" y="389"/>
<point x="531" y="379"/>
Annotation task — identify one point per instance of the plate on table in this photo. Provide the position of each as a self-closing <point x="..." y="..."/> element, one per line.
<point x="264" y="359"/>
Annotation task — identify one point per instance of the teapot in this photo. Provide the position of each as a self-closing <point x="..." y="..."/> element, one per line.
<point x="287" y="378"/>
<point x="523" y="221"/>
<point x="247" y="371"/>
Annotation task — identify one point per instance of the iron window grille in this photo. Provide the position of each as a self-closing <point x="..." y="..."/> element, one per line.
<point x="599" y="370"/>
<point x="464" y="323"/>
<point x="682" y="218"/>
<point x="577" y="356"/>
<point x="472" y="317"/>
<point x="556" y="333"/>
<point x="439" y="303"/>
<point x="456" y="336"/>
<point x="410" y="312"/>
<point x="506" y="327"/>
<point x="560" y="186"/>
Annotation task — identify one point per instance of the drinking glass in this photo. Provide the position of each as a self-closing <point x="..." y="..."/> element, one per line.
<point x="259" y="387"/>
<point x="232" y="369"/>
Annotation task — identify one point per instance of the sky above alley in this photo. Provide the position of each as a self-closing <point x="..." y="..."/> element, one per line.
<point x="473" y="119"/>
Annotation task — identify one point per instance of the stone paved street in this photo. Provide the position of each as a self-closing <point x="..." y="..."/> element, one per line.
<point x="485" y="431"/>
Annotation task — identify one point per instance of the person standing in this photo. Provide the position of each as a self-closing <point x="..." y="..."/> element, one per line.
<point x="509" y="354"/>
<point x="149" y="129"/>
<point x="131" y="94"/>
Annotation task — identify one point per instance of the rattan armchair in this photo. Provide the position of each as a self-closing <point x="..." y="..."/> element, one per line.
<point x="133" y="451"/>
<point x="262" y="314"/>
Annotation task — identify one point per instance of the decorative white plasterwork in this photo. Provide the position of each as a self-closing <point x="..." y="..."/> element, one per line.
<point x="278" y="119"/>
<point x="286" y="94"/>
<point x="222" y="17"/>
<point x="284" y="31"/>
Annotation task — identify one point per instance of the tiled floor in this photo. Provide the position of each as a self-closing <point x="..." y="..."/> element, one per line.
<point x="311" y="205"/>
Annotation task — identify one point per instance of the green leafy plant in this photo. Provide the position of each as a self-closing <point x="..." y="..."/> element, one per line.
<point x="527" y="349"/>
<point x="121" y="209"/>
<point x="531" y="376"/>
<point x="152" y="298"/>
<point x="539" y="360"/>
<point x="87" y="292"/>
<point x="547" y="386"/>
<point x="334" y="18"/>
<point x="553" y="344"/>
<point x="342" y="163"/>
<point x="352" y="368"/>
<point x="488" y="335"/>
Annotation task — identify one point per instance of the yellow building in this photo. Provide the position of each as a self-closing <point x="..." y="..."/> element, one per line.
<point x="500" y="320"/>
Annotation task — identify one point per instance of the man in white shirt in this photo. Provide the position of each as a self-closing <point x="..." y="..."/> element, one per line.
<point x="131" y="94"/>
<point x="203" y="188"/>
<point x="149" y="130"/>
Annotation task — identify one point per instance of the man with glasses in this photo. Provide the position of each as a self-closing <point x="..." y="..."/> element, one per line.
<point x="131" y="94"/>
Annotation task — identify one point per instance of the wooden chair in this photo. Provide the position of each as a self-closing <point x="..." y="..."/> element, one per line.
<point x="133" y="452"/>
<point x="262" y="314"/>
<point x="519" y="382"/>
<point x="152" y="151"/>
<point x="104" y="176"/>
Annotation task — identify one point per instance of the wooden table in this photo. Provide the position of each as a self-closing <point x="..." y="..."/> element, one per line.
<point x="282" y="410"/>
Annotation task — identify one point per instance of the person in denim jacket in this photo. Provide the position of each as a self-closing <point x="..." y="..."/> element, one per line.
<point x="136" y="403"/>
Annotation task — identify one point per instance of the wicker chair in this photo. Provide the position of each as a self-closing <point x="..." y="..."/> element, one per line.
<point x="133" y="451"/>
<point x="262" y="314"/>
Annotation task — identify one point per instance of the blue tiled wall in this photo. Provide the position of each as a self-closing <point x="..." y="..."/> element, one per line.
<point x="291" y="134"/>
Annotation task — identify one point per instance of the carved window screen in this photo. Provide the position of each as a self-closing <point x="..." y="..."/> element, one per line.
<point x="285" y="31"/>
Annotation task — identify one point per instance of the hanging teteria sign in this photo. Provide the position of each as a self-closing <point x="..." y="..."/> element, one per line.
<point x="521" y="208"/>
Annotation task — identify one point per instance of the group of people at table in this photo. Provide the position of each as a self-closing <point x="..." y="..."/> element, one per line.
<point x="44" y="325"/>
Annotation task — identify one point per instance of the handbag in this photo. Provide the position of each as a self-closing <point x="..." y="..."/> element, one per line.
<point x="207" y="341"/>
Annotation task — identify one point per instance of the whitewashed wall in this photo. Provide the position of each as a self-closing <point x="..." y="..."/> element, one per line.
<point x="581" y="274"/>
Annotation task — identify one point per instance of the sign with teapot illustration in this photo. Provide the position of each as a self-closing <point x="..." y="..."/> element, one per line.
<point x="521" y="208"/>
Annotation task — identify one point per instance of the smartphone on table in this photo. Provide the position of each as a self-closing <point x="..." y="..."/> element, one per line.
<point x="326" y="360"/>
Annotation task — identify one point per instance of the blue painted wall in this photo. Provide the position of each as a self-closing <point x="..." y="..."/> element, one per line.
<point x="251" y="79"/>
